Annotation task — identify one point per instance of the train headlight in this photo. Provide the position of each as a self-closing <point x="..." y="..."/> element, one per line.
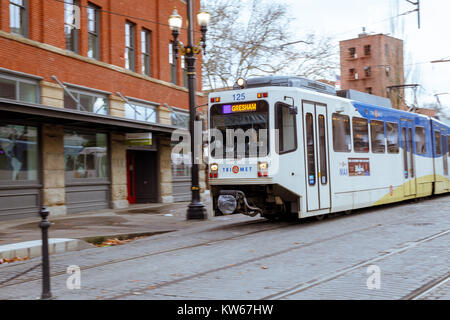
<point x="213" y="170"/>
<point x="241" y="82"/>
<point x="263" y="166"/>
<point x="226" y="203"/>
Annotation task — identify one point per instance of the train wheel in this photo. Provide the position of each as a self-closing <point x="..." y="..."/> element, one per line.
<point x="320" y="217"/>
<point x="347" y="212"/>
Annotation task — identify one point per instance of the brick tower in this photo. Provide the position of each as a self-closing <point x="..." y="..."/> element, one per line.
<point x="372" y="63"/>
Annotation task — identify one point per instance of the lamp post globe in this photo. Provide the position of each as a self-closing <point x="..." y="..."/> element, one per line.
<point x="203" y="18"/>
<point x="175" y="21"/>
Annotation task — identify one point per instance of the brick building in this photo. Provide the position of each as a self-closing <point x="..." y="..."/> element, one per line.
<point x="372" y="63"/>
<point x="77" y="79"/>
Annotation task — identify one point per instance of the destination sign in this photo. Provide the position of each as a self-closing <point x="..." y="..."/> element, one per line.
<point x="242" y="107"/>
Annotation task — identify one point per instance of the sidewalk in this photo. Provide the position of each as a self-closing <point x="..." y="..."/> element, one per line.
<point x="136" y="220"/>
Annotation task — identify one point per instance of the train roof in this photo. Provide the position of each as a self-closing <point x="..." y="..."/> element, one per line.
<point x="313" y="85"/>
<point x="288" y="81"/>
<point x="365" y="97"/>
<point x="353" y="96"/>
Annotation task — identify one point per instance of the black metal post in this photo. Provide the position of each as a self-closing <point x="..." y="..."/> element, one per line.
<point x="45" y="224"/>
<point x="196" y="209"/>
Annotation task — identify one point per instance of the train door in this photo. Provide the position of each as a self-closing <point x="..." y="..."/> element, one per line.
<point x="444" y="151"/>
<point x="447" y="156"/>
<point x="316" y="156"/>
<point x="409" y="175"/>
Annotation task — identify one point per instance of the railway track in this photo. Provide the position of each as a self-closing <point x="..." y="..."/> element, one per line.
<point x="243" y="262"/>
<point x="114" y="261"/>
<point x="417" y="294"/>
<point x="428" y="288"/>
<point x="315" y="282"/>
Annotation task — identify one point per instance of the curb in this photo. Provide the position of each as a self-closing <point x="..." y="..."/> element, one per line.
<point x="33" y="249"/>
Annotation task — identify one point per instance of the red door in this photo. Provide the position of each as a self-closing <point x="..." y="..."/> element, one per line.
<point x="131" y="177"/>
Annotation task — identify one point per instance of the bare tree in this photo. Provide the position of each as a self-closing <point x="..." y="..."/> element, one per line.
<point x="253" y="38"/>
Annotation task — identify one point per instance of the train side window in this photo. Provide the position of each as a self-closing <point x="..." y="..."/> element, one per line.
<point x="286" y="126"/>
<point x="341" y="133"/>
<point x="421" y="143"/>
<point x="392" y="137"/>
<point x="360" y="135"/>
<point x="443" y="144"/>
<point x="444" y="152"/>
<point x="405" y="152"/>
<point x="377" y="136"/>
<point x="310" y="149"/>
<point x="437" y="139"/>
<point x="322" y="150"/>
<point x="448" y="145"/>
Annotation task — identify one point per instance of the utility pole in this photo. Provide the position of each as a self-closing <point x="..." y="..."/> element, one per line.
<point x="416" y="3"/>
<point x="403" y="86"/>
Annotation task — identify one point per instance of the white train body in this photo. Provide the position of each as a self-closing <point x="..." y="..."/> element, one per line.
<point x="328" y="161"/>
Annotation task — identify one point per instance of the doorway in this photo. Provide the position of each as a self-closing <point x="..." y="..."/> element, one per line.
<point x="316" y="156"/>
<point x="409" y="171"/>
<point x="142" y="176"/>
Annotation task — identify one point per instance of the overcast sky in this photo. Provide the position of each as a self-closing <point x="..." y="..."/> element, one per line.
<point x="344" y="19"/>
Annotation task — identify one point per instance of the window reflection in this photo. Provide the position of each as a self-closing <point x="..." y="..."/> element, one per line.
<point x="18" y="89"/>
<point x="88" y="102"/>
<point x="392" y="137"/>
<point x="180" y="119"/>
<point x="341" y="133"/>
<point x="85" y="155"/>
<point x="141" y="112"/>
<point x="18" y="153"/>
<point x="360" y="135"/>
<point x="181" y="164"/>
<point x="377" y="136"/>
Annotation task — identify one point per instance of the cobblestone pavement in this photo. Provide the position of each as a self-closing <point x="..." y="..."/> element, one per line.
<point x="408" y="243"/>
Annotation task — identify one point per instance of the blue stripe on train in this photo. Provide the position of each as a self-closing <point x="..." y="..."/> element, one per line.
<point x="371" y="112"/>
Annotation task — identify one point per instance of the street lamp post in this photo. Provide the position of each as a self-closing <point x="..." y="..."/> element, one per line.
<point x="196" y="209"/>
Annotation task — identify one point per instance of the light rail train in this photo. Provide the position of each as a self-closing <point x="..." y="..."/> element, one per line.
<point x="323" y="153"/>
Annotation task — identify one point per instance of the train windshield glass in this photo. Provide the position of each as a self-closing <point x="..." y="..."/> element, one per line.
<point x="241" y="130"/>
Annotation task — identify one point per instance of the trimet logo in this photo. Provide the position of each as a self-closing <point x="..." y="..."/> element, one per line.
<point x="237" y="169"/>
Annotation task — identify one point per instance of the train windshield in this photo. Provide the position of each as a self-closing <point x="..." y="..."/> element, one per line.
<point x="241" y="130"/>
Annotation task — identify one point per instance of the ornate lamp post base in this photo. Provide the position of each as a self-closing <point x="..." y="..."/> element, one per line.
<point x="196" y="211"/>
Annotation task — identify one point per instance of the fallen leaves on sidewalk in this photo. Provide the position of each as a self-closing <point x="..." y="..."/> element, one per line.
<point x="176" y="275"/>
<point x="116" y="242"/>
<point x="4" y="260"/>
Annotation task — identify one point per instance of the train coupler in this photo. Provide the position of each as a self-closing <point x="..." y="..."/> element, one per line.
<point x="231" y="200"/>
